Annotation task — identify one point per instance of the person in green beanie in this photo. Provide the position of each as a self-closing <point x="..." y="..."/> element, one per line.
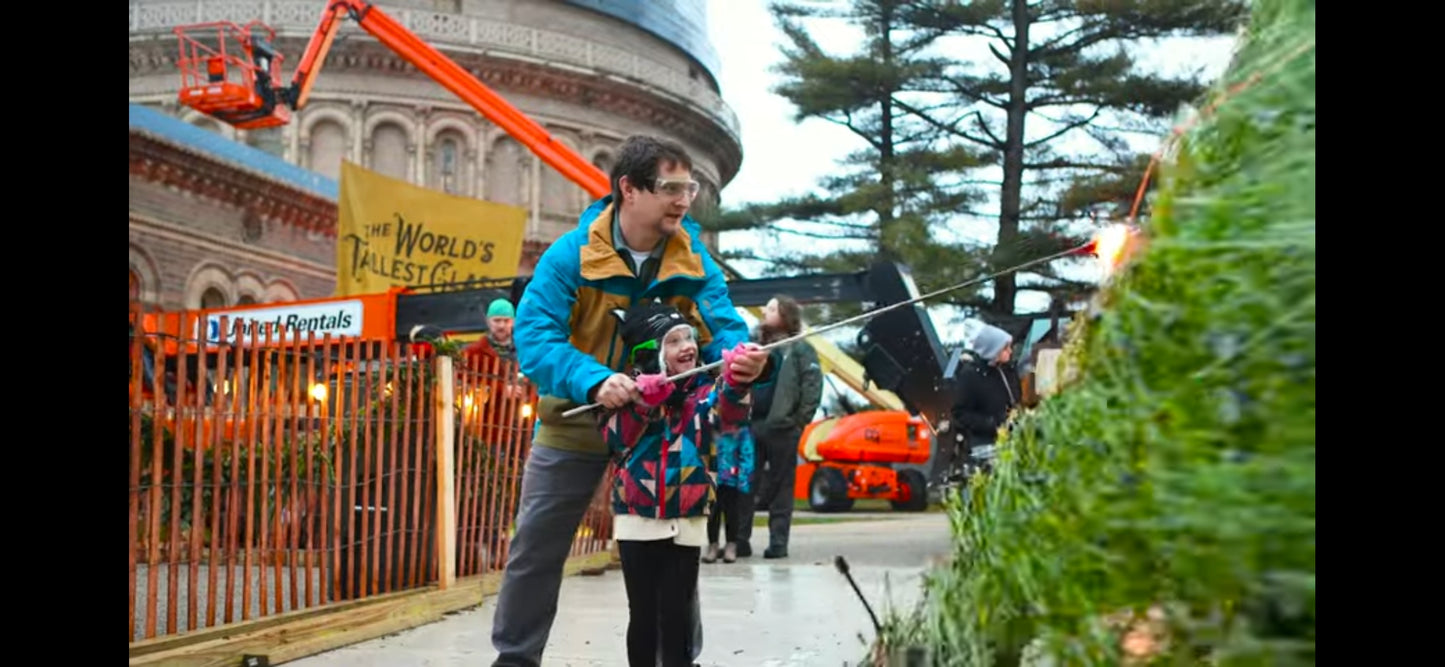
<point x="499" y="328"/>
<point x="498" y="341"/>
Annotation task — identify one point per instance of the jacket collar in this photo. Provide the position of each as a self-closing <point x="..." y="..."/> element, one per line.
<point x="600" y="260"/>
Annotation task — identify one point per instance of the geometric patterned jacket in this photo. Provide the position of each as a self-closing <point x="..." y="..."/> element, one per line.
<point x="666" y="456"/>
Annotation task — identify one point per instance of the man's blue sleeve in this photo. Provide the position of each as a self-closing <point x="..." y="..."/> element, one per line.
<point x="718" y="313"/>
<point x="547" y="358"/>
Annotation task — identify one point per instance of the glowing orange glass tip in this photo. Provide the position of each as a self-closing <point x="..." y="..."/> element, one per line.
<point x="1110" y="245"/>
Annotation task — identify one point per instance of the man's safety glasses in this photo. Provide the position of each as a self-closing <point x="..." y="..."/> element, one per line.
<point x="676" y="187"/>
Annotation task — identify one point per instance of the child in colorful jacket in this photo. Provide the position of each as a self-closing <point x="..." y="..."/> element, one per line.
<point x="734" y="468"/>
<point x="664" y="447"/>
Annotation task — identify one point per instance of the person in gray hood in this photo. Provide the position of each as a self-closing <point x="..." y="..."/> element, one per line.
<point x="781" y="411"/>
<point x="988" y="390"/>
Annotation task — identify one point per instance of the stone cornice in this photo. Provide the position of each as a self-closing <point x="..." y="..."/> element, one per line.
<point x="158" y="161"/>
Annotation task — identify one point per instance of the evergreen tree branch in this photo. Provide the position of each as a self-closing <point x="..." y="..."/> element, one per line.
<point x="1063" y="100"/>
<point x="951" y="128"/>
<point x="1066" y="129"/>
<point x="1117" y="129"/>
<point x="1070" y="164"/>
<point x="971" y="18"/>
<point x="971" y="89"/>
<point x="819" y="235"/>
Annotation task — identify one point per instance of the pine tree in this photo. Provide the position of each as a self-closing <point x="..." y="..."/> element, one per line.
<point x="1073" y="65"/>
<point x="932" y="122"/>
<point x="892" y="194"/>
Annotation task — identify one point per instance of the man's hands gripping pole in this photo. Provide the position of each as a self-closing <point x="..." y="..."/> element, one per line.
<point x="741" y="365"/>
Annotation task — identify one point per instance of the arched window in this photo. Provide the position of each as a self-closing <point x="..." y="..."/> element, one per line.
<point x="213" y="298"/>
<point x="134" y="286"/>
<point x="447" y="172"/>
<point x="388" y="151"/>
<point x="603" y="161"/>
<point x="504" y="174"/>
<point x="279" y="291"/>
<point x="449" y="164"/>
<point x="245" y="299"/>
<point x="560" y="195"/>
<point x="328" y="147"/>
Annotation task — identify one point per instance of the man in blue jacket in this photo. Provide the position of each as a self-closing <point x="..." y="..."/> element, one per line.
<point x="637" y="243"/>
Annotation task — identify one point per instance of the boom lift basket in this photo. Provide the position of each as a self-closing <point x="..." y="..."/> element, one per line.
<point x="232" y="72"/>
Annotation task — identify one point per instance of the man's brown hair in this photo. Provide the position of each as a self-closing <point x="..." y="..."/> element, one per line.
<point x="639" y="159"/>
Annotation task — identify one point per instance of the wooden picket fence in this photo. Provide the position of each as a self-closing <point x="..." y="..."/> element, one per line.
<point x="271" y="473"/>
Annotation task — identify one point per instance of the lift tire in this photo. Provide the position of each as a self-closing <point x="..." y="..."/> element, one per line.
<point x="912" y="492"/>
<point x="828" y="491"/>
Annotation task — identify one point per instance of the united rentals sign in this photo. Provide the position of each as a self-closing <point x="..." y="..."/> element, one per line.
<point x="288" y="323"/>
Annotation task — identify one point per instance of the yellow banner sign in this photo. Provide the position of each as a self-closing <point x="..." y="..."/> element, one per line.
<point x="394" y="234"/>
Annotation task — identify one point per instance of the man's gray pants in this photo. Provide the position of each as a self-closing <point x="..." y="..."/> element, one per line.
<point x="557" y="487"/>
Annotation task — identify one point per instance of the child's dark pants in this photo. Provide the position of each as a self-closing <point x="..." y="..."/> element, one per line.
<point x="661" y="580"/>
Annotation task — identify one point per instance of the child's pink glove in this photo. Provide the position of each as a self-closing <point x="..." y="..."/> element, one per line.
<point x="728" y="357"/>
<point x="654" y="388"/>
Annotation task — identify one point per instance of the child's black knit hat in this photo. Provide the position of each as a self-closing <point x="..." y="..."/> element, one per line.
<point x="642" y="327"/>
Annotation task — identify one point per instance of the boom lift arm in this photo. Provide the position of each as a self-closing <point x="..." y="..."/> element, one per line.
<point x="450" y="75"/>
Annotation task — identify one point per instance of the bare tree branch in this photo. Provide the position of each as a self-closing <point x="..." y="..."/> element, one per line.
<point x="1001" y="57"/>
<point x="978" y="119"/>
<point x="951" y="129"/>
<point x="1066" y="129"/>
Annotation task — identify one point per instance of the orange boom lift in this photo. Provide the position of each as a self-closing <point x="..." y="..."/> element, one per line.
<point x="233" y="73"/>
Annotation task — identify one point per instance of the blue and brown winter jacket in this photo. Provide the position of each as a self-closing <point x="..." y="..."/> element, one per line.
<point x="735" y="458"/>
<point x="567" y="340"/>
<point x="666" y="455"/>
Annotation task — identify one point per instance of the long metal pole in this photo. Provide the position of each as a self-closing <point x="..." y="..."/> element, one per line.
<point x="862" y="316"/>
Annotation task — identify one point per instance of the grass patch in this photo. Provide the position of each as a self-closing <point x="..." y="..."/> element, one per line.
<point x="869" y="505"/>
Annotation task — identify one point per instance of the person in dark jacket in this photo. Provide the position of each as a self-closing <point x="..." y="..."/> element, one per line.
<point x="780" y="411"/>
<point x="988" y="390"/>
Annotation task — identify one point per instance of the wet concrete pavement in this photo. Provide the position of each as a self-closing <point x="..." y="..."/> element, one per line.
<point x="759" y="613"/>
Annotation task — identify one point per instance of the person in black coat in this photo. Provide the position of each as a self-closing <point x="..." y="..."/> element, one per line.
<point x="988" y="389"/>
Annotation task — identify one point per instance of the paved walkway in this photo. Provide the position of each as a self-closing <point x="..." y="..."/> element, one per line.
<point x="756" y="612"/>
